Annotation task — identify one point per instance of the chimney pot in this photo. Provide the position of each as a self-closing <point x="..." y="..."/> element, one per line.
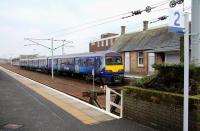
<point x="123" y="28"/>
<point x="145" y="25"/>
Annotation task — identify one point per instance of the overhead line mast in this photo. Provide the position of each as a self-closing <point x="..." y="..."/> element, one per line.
<point x="52" y="49"/>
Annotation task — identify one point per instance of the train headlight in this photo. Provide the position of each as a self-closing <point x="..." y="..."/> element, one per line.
<point x="121" y="70"/>
<point x="109" y="71"/>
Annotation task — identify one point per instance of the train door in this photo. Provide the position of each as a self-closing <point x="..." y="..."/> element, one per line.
<point x="55" y="64"/>
<point x="77" y="63"/>
<point x="59" y="64"/>
<point x="98" y="65"/>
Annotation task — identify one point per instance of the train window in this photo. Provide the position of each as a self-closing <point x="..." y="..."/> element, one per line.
<point x="118" y="60"/>
<point x="113" y="60"/>
<point x="67" y="61"/>
<point x="99" y="62"/>
<point x="84" y="62"/>
<point x="71" y="61"/>
<point x="62" y="61"/>
<point x="59" y="61"/>
<point x="77" y="62"/>
<point x="91" y="61"/>
<point x="109" y="60"/>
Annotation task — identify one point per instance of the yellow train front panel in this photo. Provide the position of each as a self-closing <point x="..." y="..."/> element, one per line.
<point x="115" y="68"/>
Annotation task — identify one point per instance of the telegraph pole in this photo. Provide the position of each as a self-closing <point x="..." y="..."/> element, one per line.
<point x="63" y="49"/>
<point x="52" y="59"/>
<point x="195" y="33"/>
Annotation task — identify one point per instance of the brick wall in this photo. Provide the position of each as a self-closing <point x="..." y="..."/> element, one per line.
<point x="94" y="48"/>
<point x="134" y="68"/>
<point x="156" y="113"/>
<point x="102" y="44"/>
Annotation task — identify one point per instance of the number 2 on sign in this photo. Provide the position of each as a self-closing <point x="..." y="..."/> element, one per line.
<point x="177" y="19"/>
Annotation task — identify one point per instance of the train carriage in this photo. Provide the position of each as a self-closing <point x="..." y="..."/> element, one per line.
<point x="55" y="64"/>
<point x="42" y="64"/>
<point x="35" y="63"/>
<point x="107" y="65"/>
<point x="65" y="64"/>
<point x="30" y="64"/>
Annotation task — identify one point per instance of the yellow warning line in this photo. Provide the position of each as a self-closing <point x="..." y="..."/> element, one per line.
<point x="59" y="102"/>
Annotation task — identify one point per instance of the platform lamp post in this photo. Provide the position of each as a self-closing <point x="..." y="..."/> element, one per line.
<point x="51" y="49"/>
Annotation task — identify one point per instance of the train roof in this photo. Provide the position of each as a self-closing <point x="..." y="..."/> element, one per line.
<point x="39" y="58"/>
<point x="99" y="53"/>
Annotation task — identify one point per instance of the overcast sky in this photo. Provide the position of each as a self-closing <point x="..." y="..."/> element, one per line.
<point x="21" y="19"/>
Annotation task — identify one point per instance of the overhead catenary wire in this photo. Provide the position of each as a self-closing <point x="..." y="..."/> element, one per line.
<point x="102" y="19"/>
<point x="87" y="23"/>
<point x="148" y="9"/>
<point x="161" y="18"/>
<point x="86" y="28"/>
<point x="136" y="13"/>
<point x="165" y="16"/>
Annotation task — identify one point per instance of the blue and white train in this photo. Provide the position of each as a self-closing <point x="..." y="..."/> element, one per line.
<point x="106" y="64"/>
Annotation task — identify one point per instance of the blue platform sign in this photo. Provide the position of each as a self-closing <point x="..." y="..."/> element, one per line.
<point x="176" y="21"/>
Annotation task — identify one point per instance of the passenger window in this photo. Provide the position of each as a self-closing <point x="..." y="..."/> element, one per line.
<point x="70" y="61"/>
<point x="77" y="62"/>
<point x="84" y="62"/>
<point x="91" y="61"/>
<point x="99" y="63"/>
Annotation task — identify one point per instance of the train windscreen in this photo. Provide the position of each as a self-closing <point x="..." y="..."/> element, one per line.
<point x="113" y="60"/>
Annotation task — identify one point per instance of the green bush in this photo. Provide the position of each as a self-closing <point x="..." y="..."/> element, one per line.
<point x="157" y="96"/>
<point x="171" y="78"/>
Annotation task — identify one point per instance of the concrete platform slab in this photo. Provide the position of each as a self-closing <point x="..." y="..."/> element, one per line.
<point x="34" y="106"/>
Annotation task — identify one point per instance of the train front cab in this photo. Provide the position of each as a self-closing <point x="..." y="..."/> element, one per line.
<point x="113" y="72"/>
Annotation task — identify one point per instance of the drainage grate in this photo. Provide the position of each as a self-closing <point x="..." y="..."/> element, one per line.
<point x="11" y="126"/>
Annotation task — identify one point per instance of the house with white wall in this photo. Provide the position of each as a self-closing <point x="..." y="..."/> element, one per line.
<point x="140" y="50"/>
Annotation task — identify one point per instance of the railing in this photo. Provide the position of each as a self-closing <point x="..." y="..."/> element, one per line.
<point x="110" y="103"/>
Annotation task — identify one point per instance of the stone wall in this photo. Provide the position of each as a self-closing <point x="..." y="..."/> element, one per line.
<point x="160" y="110"/>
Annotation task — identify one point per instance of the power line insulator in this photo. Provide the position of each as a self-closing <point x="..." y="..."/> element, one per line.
<point x="162" y="17"/>
<point x="137" y="12"/>
<point x="148" y="9"/>
<point x="179" y="1"/>
<point x="172" y="4"/>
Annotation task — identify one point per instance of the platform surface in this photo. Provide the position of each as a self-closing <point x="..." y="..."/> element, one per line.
<point x="31" y="106"/>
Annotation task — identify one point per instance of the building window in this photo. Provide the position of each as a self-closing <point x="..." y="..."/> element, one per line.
<point x="92" y="44"/>
<point x="106" y="42"/>
<point x="100" y="43"/>
<point x="109" y="41"/>
<point x="140" y="59"/>
<point x="96" y="43"/>
<point x="113" y="41"/>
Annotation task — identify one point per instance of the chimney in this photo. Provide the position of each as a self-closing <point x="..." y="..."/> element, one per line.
<point x="145" y="25"/>
<point x="123" y="30"/>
